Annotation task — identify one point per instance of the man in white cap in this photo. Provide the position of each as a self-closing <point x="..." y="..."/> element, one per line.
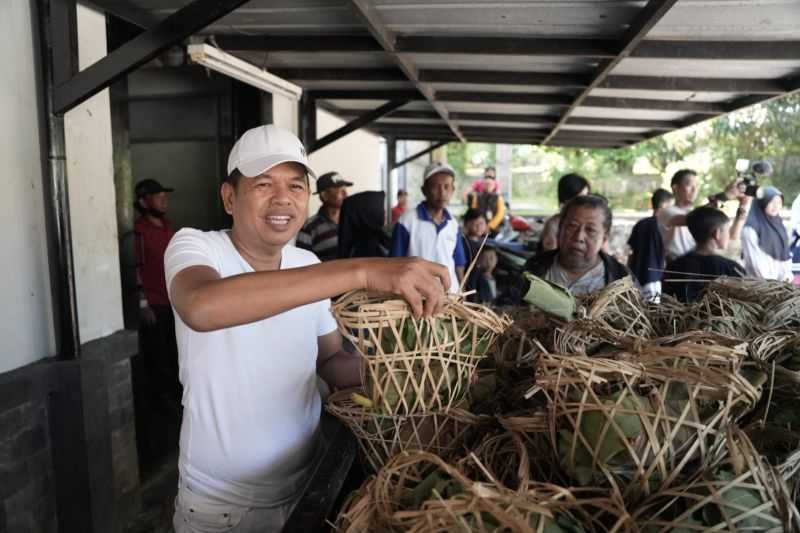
<point x="430" y="231"/>
<point x="254" y="330"/>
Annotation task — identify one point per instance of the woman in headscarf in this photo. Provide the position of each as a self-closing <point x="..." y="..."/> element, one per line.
<point x="765" y="242"/>
<point x="361" y="226"/>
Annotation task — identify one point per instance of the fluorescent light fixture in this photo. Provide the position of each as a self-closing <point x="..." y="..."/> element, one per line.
<point x="229" y="65"/>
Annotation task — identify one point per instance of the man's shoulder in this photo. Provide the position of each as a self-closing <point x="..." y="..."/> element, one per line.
<point x="196" y="237"/>
<point x="408" y="217"/>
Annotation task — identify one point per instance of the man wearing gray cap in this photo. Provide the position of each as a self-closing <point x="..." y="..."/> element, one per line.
<point x="430" y="231"/>
<point x="254" y="330"/>
<point x="321" y="232"/>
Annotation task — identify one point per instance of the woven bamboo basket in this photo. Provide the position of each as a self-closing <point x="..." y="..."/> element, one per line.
<point x="502" y="458"/>
<point x="734" y="318"/>
<point x="620" y="305"/>
<point x="638" y="428"/>
<point x="457" y="503"/>
<point x="775" y="346"/>
<point x="382" y="436"/>
<point x="416" y="365"/>
<point x="753" y="290"/>
<point x="737" y="492"/>
<point x="668" y="317"/>
<point x="588" y="336"/>
<point x="784" y="315"/>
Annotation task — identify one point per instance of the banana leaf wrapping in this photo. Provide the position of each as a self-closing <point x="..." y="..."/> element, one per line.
<point x="421" y="493"/>
<point x="416" y="365"/>
<point x="737" y="491"/>
<point x="638" y="427"/>
<point x="382" y="436"/>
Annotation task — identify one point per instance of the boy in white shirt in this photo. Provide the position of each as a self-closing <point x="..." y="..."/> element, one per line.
<point x="254" y="330"/>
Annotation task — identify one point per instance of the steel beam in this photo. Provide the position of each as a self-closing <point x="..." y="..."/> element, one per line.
<point x="360" y="122"/>
<point x="130" y="56"/>
<point x="505" y="46"/>
<point x="728" y="50"/>
<point x="401" y="114"/>
<point x="495" y="77"/>
<point x="648" y="17"/>
<point x="298" y="43"/>
<point x="419" y="154"/>
<point x="723" y="85"/>
<point x="505" y="98"/>
<point x="623" y="123"/>
<point x="504" y="117"/>
<point x="366" y="10"/>
<point x="340" y="74"/>
<point x="570" y="47"/>
<point x="372" y="94"/>
<point x="59" y="61"/>
<point x="708" y="108"/>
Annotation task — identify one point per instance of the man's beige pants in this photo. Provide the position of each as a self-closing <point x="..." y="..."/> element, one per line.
<point x="198" y="514"/>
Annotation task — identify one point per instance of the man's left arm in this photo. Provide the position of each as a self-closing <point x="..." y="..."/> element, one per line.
<point x="337" y="367"/>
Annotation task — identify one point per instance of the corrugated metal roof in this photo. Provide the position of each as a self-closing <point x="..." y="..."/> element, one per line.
<point x="550" y="69"/>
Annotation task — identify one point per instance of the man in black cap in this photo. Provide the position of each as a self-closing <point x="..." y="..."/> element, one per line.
<point x="153" y="232"/>
<point x="320" y="234"/>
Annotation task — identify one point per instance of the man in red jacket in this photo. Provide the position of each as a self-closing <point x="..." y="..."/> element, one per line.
<point x="157" y="323"/>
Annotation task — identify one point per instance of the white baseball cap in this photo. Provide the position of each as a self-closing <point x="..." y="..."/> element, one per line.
<point x="259" y="149"/>
<point x="438" y="168"/>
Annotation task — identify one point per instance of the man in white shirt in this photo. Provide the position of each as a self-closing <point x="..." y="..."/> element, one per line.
<point x="678" y="240"/>
<point x="254" y="330"/>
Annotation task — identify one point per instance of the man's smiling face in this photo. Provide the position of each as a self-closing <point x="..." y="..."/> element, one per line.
<point x="270" y="209"/>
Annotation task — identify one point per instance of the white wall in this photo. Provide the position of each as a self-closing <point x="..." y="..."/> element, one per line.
<point x="357" y="157"/>
<point x="90" y="171"/>
<point x="26" y="320"/>
<point x="284" y="112"/>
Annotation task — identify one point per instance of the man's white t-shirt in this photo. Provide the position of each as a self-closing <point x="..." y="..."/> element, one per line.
<point x="678" y="240"/>
<point x="250" y="397"/>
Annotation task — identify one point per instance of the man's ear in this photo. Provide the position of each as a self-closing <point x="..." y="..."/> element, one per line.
<point x="227" y="193"/>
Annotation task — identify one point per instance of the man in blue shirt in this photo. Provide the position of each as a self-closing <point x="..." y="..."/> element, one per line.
<point x="429" y="231"/>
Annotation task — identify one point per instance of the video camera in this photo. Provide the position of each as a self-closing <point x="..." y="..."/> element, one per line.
<point x="750" y="174"/>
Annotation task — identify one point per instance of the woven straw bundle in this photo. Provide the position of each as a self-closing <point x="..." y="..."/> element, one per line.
<point x="634" y="427"/>
<point x="619" y="304"/>
<point x="421" y="493"/>
<point x="753" y="290"/>
<point x="718" y="313"/>
<point x="382" y="436"/>
<point x="784" y="315"/>
<point x="738" y="491"/>
<point x="416" y="365"/>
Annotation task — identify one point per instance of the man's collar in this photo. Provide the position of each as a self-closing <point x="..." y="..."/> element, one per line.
<point x="422" y="213"/>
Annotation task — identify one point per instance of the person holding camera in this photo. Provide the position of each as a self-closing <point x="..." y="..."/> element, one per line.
<point x="765" y="241"/>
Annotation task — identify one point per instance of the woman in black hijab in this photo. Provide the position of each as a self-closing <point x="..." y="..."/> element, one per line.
<point x="765" y="242"/>
<point x="361" y="222"/>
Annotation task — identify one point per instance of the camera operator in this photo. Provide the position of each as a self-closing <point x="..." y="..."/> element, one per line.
<point x="678" y="241"/>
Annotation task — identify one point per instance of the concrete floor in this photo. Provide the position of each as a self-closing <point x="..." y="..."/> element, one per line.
<point x="158" y="499"/>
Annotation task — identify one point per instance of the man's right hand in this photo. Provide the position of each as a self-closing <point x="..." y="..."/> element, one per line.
<point x="423" y="284"/>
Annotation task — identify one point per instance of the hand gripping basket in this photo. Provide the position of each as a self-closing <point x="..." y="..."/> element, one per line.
<point x="416" y="365"/>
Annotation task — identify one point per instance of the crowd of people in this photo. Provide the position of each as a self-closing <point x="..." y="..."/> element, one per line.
<point x="249" y="306"/>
